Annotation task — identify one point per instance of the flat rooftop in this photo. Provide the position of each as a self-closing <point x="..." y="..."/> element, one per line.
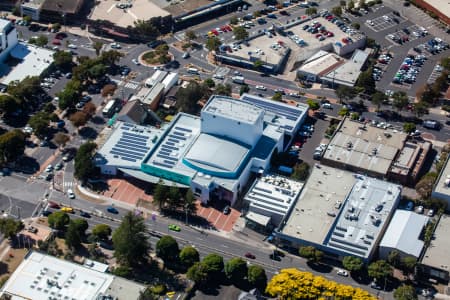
<point x="40" y="277"/>
<point x="233" y="109"/>
<point x="33" y="3"/>
<point x="405" y="161"/>
<point x="273" y="194"/>
<point x="178" y="7"/>
<point x="348" y="72"/>
<point x="279" y="114"/>
<point x="348" y="218"/>
<point x="59" y="6"/>
<point x="442" y="186"/>
<point x="309" y="220"/>
<point x="127" y="145"/>
<point x="141" y="10"/>
<point x="32" y="61"/>
<point x="262" y="48"/>
<point x="321" y="63"/>
<point x="442" y="6"/>
<point x="4" y="23"/>
<point x="436" y="254"/>
<point x="365" y="147"/>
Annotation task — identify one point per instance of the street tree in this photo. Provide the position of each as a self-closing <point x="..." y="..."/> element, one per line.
<point x="84" y="166"/>
<point x="311" y="11"/>
<point x="41" y="41"/>
<point x="408" y="265"/>
<point x="58" y="220"/>
<point x="257" y="64"/>
<point x="79" y="118"/>
<point x="420" y="108"/>
<point x="365" y="79"/>
<point x="101" y="232"/>
<point x="399" y="100"/>
<point x="190" y="35"/>
<point x="63" y="59"/>
<point x="97" y="47"/>
<point x="313" y="105"/>
<point x="40" y="123"/>
<point x="394" y="258"/>
<point x="378" y="98"/>
<point x="69" y="95"/>
<point x="223" y="89"/>
<point x="353" y="263"/>
<point x="198" y="273"/>
<point x="244" y="89"/>
<point x="257" y="277"/>
<point x="234" y="20"/>
<point x="145" y="30"/>
<point x="174" y="197"/>
<point x="350" y="5"/>
<point x="405" y="292"/>
<point x="344" y="92"/>
<point x="10" y="227"/>
<point x="89" y="109"/>
<point x="61" y="139"/>
<point x="188" y="97"/>
<point x="213" y="43"/>
<point x="210" y="82"/>
<point x="240" y="33"/>
<point x="312" y="254"/>
<point x="380" y="269"/>
<point x="277" y="96"/>
<point x="189" y="256"/>
<point x="130" y="241"/>
<point x="409" y="127"/>
<point x="189" y="202"/>
<point x="337" y="11"/>
<point x="236" y="269"/>
<point x="160" y="194"/>
<point x="8" y="104"/>
<point x="343" y="3"/>
<point x="12" y="145"/>
<point x="213" y="263"/>
<point x="167" y="249"/>
<point x="73" y="235"/>
<point x="111" y="57"/>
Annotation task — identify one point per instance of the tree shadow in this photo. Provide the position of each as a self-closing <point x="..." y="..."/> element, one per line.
<point x="361" y="277"/>
<point x="88" y="132"/>
<point x="318" y="267"/>
<point x="26" y="165"/>
<point x="3" y="268"/>
<point x="98" y="120"/>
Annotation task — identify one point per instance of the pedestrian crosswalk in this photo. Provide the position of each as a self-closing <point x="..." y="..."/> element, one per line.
<point x="131" y="85"/>
<point x="68" y="183"/>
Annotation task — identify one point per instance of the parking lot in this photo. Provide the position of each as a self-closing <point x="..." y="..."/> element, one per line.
<point x="385" y="22"/>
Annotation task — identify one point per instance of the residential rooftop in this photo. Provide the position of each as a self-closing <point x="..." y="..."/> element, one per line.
<point x="436" y="255"/>
<point x="31" y="61"/>
<point x="364" y="147"/>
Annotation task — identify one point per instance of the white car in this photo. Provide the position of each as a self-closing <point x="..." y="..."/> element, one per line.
<point x="261" y="87"/>
<point x="327" y="105"/>
<point x="72" y="46"/>
<point x="135" y="61"/>
<point x="49" y="169"/>
<point x="217" y="76"/>
<point x="115" y="46"/>
<point x="28" y="129"/>
<point x="70" y="194"/>
<point x="430" y="213"/>
<point x="342" y="273"/>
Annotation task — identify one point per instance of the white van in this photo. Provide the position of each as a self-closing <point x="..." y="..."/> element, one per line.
<point x="193" y="71"/>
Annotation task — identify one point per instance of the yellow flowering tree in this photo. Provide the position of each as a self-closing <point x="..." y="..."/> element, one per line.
<point x="295" y="284"/>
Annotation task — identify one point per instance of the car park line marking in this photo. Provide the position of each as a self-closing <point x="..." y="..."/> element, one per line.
<point x="112" y="6"/>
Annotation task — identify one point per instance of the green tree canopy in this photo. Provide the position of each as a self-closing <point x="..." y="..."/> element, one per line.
<point x="198" y="273"/>
<point x="301" y="171"/>
<point x="84" y="167"/>
<point x="405" y="292"/>
<point x="399" y="100"/>
<point x="69" y="95"/>
<point x="394" y="258"/>
<point x="75" y="232"/>
<point x="244" y="89"/>
<point x="40" y="123"/>
<point x="425" y="185"/>
<point x="213" y="263"/>
<point x="160" y="194"/>
<point x="408" y="265"/>
<point x="213" y="43"/>
<point x="188" y="256"/>
<point x="344" y="92"/>
<point x="12" y="145"/>
<point x="365" y="79"/>
<point x="311" y="11"/>
<point x="313" y="105"/>
<point x="58" y="220"/>
<point x="130" y="241"/>
<point x="236" y="269"/>
<point x="277" y="96"/>
<point x="101" y="232"/>
<point x="188" y="97"/>
<point x="8" y="104"/>
<point x="26" y="89"/>
<point x="190" y="35"/>
<point x="311" y="254"/>
<point x="378" y="98"/>
<point x="223" y="89"/>
<point x="41" y="41"/>
<point x="353" y="263"/>
<point x="380" y="269"/>
<point x="97" y="47"/>
<point x="63" y="59"/>
<point x="409" y="127"/>
<point x="210" y="82"/>
<point x="257" y="277"/>
<point x="240" y="33"/>
<point x="167" y="249"/>
<point x="337" y="10"/>
<point x="145" y="30"/>
<point x="9" y="227"/>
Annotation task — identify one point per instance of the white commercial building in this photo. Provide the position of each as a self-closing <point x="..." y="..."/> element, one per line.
<point x="8" y="38"/>
<point x="442" y="187"/>
<point x="214" y="154"/>
<point x="403" y="234"/>
<point x="43" y="277"/>
<point x="270" y="198"/>
<point x="340" y="213"/>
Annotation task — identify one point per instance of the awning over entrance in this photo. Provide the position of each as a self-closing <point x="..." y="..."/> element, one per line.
<point x="149" y="178"/>
<point x="258" y="218"/>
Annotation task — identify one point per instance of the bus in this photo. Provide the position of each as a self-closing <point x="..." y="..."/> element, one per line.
<point x="111" y="107"/>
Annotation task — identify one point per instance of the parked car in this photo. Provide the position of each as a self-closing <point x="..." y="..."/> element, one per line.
<point x="174" y="227"/>
<point x="85" y="214"/>
<point x="112" y="210"/>
<point x="249" y="255"/>
<point x="226" y="210"/>
<point x="67" y="209"/>
<point x="341" y="272"/>
<point x="70" y="194"/>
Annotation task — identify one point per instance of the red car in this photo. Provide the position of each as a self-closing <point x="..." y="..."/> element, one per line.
<point x="56" y="42"/>
<point x="318" y="35"/>
<point x="249" y="255"/>
<point x="215" y="32"/>
<point x="330" y="34"/>
<point x="52" y="204"/>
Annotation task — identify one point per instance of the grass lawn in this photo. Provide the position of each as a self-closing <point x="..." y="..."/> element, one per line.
<point x="12" y="261"/>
